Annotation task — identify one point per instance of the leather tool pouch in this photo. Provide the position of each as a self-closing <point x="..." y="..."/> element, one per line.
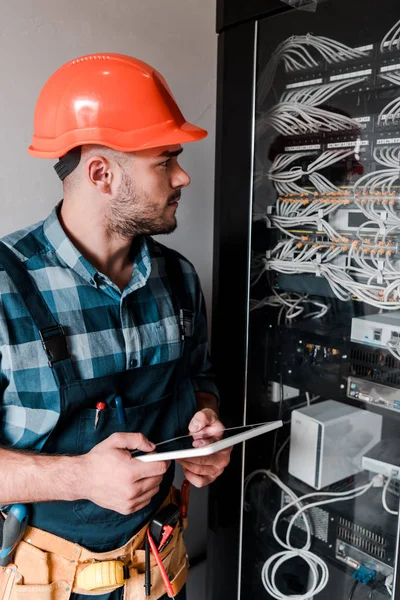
<point x="40" y="575"/>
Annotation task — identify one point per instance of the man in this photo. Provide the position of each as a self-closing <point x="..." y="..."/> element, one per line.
<point x="103" y="341"/>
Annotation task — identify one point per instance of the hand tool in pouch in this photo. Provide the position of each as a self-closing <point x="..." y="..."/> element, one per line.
<point x="13" y="530"/>
<point x="184" y="500"/>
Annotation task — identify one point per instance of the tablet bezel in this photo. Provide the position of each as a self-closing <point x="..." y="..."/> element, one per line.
<point x="211" y="448"/>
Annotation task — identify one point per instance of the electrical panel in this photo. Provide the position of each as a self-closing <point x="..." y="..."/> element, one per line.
<point x="324" y="298"/>
<point x="307" y="299"/>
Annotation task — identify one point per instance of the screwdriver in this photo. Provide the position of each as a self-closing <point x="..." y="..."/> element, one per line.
<point x="99" y="407"/>
<point x="147" y="573"/>
<point x="13" y="529"/>
<point x="184" y="503"/>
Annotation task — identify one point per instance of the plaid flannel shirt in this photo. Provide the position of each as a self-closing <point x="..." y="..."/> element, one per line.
<point x="107" y="330"/>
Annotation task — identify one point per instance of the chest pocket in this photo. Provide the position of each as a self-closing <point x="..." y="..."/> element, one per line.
<point x="173" y="332"/>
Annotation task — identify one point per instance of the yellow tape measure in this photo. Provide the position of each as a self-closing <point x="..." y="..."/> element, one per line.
<point x="102" y="575"/>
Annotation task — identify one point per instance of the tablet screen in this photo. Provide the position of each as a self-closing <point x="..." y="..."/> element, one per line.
<point x="186" y="442"/>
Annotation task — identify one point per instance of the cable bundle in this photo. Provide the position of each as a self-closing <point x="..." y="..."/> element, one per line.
<point x="367" y="273"/>
<point x="289" y="119"/>
<point x="393" y="77"/>
<point x="283" y="180"/>
<point x="319" y="572"/>
<point x="314" y="95"/>
<point x="381" y="180"/>
<point x="391" y="41"/>
<point x="291" y="305"/>
<point x="391" y="112"/>
<point x="295" y="54"/>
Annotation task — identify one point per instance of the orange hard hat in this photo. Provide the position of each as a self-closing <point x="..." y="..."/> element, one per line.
<point x="108" y="99"/>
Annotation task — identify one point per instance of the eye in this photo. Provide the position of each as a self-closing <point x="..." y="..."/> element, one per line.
<point x="166" y="163"/>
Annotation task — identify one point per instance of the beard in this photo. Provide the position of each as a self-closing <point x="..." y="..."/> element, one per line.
<point x="132" y="213"/>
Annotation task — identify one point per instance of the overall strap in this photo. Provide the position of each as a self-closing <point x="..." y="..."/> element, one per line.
<point x="51" y="333"/>
<point x="180" y="297"/>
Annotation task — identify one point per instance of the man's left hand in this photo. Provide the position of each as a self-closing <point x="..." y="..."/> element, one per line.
<point x="203" y="470"/>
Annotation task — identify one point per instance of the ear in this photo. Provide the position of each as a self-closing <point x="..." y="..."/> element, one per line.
<point x="100" y="174"/>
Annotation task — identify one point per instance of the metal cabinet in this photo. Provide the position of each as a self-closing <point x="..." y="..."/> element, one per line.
<point x="306" y="313"/>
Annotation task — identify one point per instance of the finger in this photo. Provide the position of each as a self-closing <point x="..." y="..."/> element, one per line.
<point x="199" y="441"/>
<point x="204" y="470"/>
<point x="130" y="441"/>
<point x="202" y="419"/>
<point x="148" y="470"/>
<point x="213" y="432"/>
<point x="218" y="460"/>
<point x="198" y="480"/>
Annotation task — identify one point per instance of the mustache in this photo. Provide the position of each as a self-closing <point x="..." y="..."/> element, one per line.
<point x="175" y="196"/>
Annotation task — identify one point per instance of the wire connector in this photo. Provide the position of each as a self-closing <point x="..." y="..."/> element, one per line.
<point x="364" y="574"/>
<point x="378" y="480"/>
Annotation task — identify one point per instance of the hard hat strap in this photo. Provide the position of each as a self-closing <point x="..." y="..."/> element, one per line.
<point x="68" y="162"/>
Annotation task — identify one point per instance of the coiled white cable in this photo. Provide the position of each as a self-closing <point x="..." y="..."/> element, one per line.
<point x="384" y="502"/>
<point x="318" y="567"/>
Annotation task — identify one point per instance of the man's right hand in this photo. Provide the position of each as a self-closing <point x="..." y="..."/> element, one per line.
<point x="114" y="480"/>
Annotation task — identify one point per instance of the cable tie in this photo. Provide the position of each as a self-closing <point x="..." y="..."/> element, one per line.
<point x="381" y="265"/>
<point x="320" y="213"/>
<point x="318" y="271"/>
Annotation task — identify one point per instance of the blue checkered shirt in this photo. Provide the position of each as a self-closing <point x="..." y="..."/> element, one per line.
<point x="107" y="330"/>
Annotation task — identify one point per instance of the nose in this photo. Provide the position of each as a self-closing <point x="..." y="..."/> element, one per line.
<point x="180" y="178"/>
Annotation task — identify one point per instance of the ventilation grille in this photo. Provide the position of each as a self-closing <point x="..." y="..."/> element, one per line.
<point x="376" y="365"/>
<point x="319" y="521"/>
<point x="364" y="539"/>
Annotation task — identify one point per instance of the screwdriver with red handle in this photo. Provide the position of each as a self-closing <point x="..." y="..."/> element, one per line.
<point x="100" y="406"/>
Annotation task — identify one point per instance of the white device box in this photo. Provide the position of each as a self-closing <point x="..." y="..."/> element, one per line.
<point x="376" y="330"/>
<point x="328" y="441"/>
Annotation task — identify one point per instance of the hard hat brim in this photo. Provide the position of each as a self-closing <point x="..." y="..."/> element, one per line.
<point x="169" y="135"/>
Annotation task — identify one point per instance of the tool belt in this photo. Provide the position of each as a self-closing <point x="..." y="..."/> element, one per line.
<point x="47" y="567"/>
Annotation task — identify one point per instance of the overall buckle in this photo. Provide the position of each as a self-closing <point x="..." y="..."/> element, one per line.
<point x="54" y="343"/>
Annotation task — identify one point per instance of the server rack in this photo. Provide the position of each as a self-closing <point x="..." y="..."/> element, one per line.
<point x="287" y="189"/>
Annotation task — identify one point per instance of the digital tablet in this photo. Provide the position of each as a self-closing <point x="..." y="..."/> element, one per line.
<point x="182" y="447"/>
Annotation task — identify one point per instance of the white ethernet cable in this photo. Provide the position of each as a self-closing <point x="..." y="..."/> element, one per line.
<point x="391" y="41"/>
<point x="291" y="305"/>
<point x="394" y="349"/>
<point x="391" y="112"/>
<point x="289" y="118"/>
<point x="318" y="567"/>
<point x="294" y="52"/>
<point x="283" y="179"/>
<point x="381" y="180"/>
<point x="384" y="501"/>
<point x="366" y="264"/>
<point x="314" y="95"/>
<point x="393" y="77"/>
<point x="389" y="583"/>
<point x="387" y="156"/>
<point x="315" y="221"/>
